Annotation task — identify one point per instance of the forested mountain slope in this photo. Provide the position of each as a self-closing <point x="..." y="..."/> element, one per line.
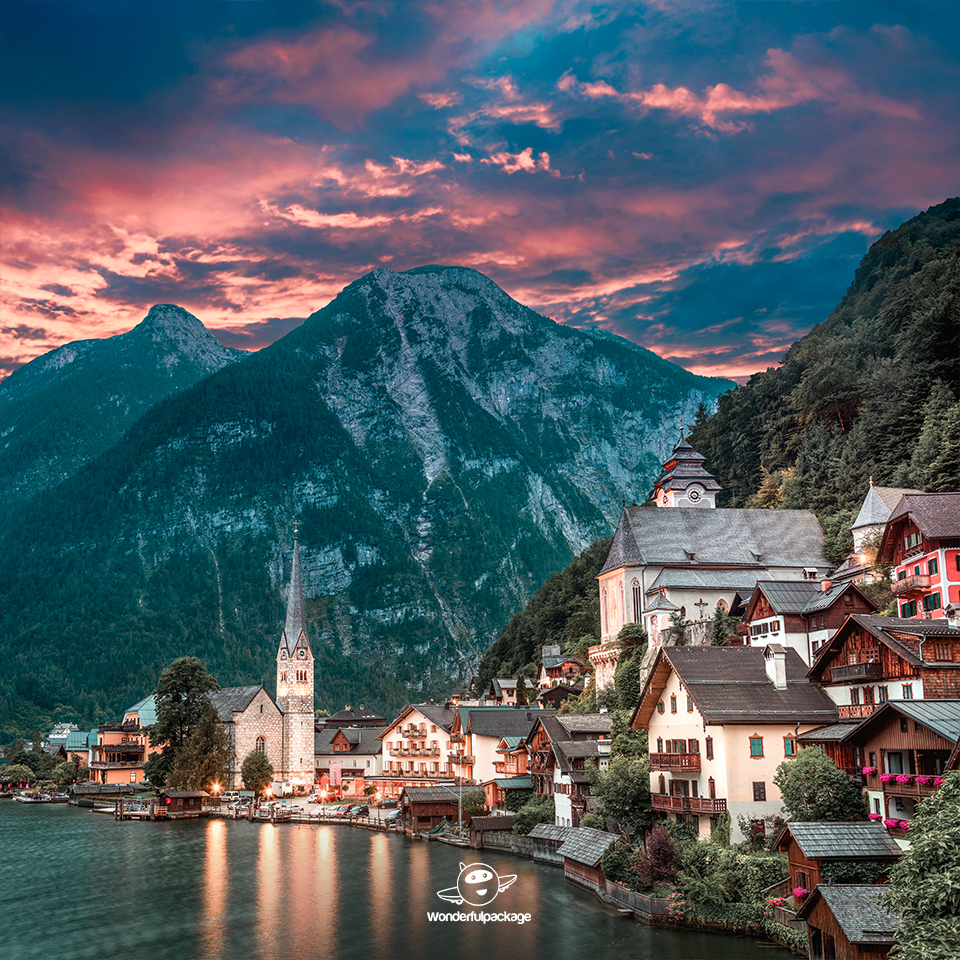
<point x="871" y="391"/>
<point x="445" y="450"/>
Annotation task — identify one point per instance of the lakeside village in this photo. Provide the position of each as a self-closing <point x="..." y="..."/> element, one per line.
<point x="766" y="770"/>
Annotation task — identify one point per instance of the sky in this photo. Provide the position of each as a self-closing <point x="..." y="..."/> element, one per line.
<point x="700" y="178"/>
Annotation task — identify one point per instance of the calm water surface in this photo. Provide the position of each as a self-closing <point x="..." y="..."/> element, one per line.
<point x="77" y="885"/>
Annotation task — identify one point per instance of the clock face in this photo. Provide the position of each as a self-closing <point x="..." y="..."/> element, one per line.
<point x="301" y="654"/>
<point x="693" y="496"/>
<point x="283" y="654"/>
<point x="666" y="499"/>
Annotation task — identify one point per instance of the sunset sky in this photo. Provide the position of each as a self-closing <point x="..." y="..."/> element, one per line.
<point x="701" y="178"/>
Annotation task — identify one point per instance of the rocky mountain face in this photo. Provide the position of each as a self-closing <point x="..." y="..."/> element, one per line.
<point x="444" y="448"/>
<point x="66" y="407"/>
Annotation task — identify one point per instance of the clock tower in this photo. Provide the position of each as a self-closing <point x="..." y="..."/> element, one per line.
<point x="295" y="685"/>
<point x="684" y="482"/>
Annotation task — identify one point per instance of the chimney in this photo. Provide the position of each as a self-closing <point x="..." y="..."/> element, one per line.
<point x="775" y="660"/>
<point x="826" y="585"/>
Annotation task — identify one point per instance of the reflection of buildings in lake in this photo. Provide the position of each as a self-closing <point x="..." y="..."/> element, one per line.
<point x="268" y="912"/>
<point x="216" y="882"/>
<point x="382" y="899"/>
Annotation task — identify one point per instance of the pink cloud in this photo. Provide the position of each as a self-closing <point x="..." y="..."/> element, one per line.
<point x="525" y="161"/>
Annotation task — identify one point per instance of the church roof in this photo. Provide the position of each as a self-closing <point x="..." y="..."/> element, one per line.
<point x="683" y="467"/>
<point x="295" y="624"/>
<point x="722" y="538"/>
<point x="743" y="581"/>
<point x="233" y="700"/>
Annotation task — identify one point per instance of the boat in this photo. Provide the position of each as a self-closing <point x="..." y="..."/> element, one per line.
<point x="32" y="797"/>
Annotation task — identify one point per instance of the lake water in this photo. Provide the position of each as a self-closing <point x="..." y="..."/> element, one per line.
<point x="76" y="885"/>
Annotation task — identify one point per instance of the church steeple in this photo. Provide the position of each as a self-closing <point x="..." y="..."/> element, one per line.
<point x="295" y="683"/>
<point x="684" y="482"/>
<point x="295" y="625"/>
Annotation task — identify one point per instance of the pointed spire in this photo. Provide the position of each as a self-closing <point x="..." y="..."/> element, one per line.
<point x="296" y="621"/>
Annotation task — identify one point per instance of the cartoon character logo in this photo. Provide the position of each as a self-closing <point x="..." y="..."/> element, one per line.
<point x="478" y="885"/>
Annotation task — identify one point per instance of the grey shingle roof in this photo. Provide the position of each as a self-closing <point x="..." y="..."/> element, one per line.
<point x="878" y="504"/>
<point x="843" y="841"/>
<point x="501" y="721"/>
<point x="727" y="538"/>
<point x="586" y="845"/>
<point x="365" y="741"/>
<point x="730" y="685"/>
<point x="830" y="733"/>
<point x="437" y="713"/>
<point x="742" y="580"/>
<point x="550" y="831"/>
<point x="432" y="794"/>
<point x="683" y="467"/>
<point x="232" y="699"/>
<point x="858" y="911"/>
<point x="586" y="722"/>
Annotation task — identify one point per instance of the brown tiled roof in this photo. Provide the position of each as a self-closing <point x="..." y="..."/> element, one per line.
<point x="730" y="685"/>
<point x="936" y="514"/>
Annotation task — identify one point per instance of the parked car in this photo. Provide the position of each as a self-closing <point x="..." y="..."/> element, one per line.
<point x="384" y="804"/>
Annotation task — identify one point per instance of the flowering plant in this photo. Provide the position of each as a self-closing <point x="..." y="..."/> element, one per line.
<point x="875" y="816"/>
<point x="938" y="782"/>
<point x="869" y="771"/>
<point x="890" y="824"/>
<point x="800" y="892"/>
<point x="904" y="824"/>
<point x="924" y="781"/>
<point x="904" y="778"/>
<point x="679" y="909"/>
<point x="887" y="777"/>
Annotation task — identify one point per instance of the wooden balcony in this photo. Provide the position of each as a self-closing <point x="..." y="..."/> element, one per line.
<point x="675" y="761"/>
<point x="857" y="711"/>
<point x="457" y="738"/>
<point x="413" y="733"/>
<point x="912" y="789"/>
<point x="463" y="760"/>
<point x="662" y="801"/>
<point x="856" y="671"/>
<point x="908" y="586"/>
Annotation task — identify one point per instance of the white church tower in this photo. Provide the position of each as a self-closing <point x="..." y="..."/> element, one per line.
<point x="295" y="685"/>
<point x="684" y="482"/>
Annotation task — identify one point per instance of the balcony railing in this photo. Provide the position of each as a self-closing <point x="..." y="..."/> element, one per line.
<point x="456" y="738"/>
<point x="114" y="764"/>
<point x="413" y="732"/>
<point x="857" y="671"/>
<point x="462" y="760"/>
<point x="675" y="761"/>
<point x="857" y="711"/>
<point x="911" y="789"/>
<point x="662" y="801"/>
<point x="911" y="584"/>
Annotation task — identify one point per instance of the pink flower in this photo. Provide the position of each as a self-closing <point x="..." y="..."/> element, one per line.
<point x="924" y="781"/>
<point x="800" y="892"/>
<point x="938" y="782"/>
<point x="869" y="771"/>
<point x="890" y="824"/>
<point x="874" y="816"/>
<point x="904" y="824"/>
<point x="904" y="778"/>
<point x="887" y="777"/>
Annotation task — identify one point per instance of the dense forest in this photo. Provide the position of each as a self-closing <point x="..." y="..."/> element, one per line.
<point x="870" y="392"/>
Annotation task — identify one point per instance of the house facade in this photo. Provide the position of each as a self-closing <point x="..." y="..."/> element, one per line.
<point x="720" y="721"/>
<point x="800" y="614"/>
<point x="417" y="748"/>
<point x="922" y="542"/>
<point x="906" y="747"/>
<point x="871" y="660"/>
<point x="482" y="728"/>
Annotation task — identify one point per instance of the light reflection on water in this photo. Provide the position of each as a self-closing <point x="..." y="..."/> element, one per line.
<point x="231" y="890"/>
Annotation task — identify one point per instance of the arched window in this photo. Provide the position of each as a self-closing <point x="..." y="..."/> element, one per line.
<point x="723" y="606"/>
<point x="683" y="613"/>
<point x="635" y="591"/>
<point x="261" y="745"/>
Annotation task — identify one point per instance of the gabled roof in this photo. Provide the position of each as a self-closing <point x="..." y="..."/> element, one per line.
<point x="551" y="662"/>
<point x="730" y="685"/>
<point x="575" y="723"/>
<point x="683" y="467"/>
<point x="432" y="794"/>
<point x="858" y="840"/>
<point x="802" y="596"/>
<point x="349" y="718"/>
<point x="937" y="515"/>
<point x="586" y="845"/>
<point x="509" y="744"/>
<point x="500" y="721"/>
<point x="232" y="700"/>
<point x="724" y="538"/>
<point x="940" y="716"/>
<point x="146" y="710"/>
<point x="567" y="751"/>
<point x="364" y="741"/>
<point x="878" y="505"/>
<point x="439" y="714"/>
<point x="857" y="909"/>
<point x="901" y="636"/>
<point x="832" y="733"/>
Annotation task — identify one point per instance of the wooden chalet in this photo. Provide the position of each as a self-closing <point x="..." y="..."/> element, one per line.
<point x="815" y="849"/>
<point x="581" y="852"/>
<point x="423" y="808"/>
<point x="848" y="922"/>
<point x="556" y="668"/>
<point x="922" y="542"/>
<point x="801" y="614"/>
<point x="484" y="825"/>
<point x="907" y="747"/>
<point x="871" y="660"/>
